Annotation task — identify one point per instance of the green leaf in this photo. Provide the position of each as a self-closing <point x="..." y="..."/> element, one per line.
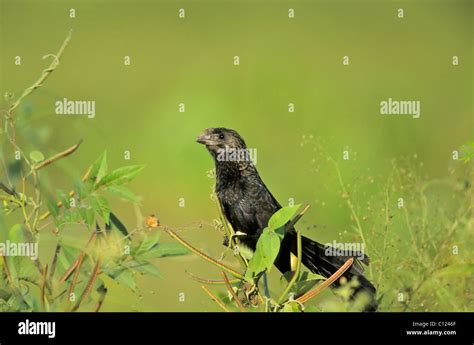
<point x="52" y="208"/>
<point x="281" y="217"/>
<point x="83" y="189"/>
<point x="306" y="281"/>
<point x="87" y="214"/>
<point x="100" y="205"/>
<point x="21" y="266"/>
<point x="118" y="224"/>
<point x="291" y="307"/>
<point x="311" y="309"/>
<point x="99" y="168"/>
<point x="267" y="249"/>
<point x="144" y="268"/>
<point x="124" y="276"/>
<point x="165" y="249"/>
<point x="147" y="243"/>
<point x="123" y="193"/>
<point x="36" y="156"/>
<point x="71" y="216"/>
<point x="63" y="197"/>
<point x="16" y="234"/>
<point x="5" y="295"/>
<point x="121" y="175"/>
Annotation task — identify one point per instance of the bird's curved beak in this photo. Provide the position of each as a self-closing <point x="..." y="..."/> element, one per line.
<point x="205" y="138"/>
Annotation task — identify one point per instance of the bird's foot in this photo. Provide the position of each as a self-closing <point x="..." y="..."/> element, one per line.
<point x="228" y="241"/>
<point x="251" y="293"/>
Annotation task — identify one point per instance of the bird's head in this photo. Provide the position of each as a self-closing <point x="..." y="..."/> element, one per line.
<point x="219" y="139"/>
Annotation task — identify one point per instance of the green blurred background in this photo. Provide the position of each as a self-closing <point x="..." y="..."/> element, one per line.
<point x="282" y="61"/>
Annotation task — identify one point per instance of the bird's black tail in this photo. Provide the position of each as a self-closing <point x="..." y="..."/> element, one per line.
<point x="323" y="260"/>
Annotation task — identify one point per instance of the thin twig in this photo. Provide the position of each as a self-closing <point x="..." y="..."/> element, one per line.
<point x="60" y="155"/>
<point x="76" y="273"/>
<point x="15" y="289"/>
<point x="46" y="73"/>
<point x="231" y="235"/>
<point x="232" y="292"/>
<point x="71" y="269"/>
<point x="7" y="271"/>
<point x="102" y="296"/>
<point x="7" y="190"/>
<point x="55" y="260"/>
<point x="76" y="265"/>
<point x="210" y="281"/>
<point x="310" y="294"/>
<point x="214" y="297"/>
<point x="351" y="207"/>
<point x="43" y="285"/>
<point x="89" y="285"/>
<point x="202" y="255"/>
<point x="298" y="267"/>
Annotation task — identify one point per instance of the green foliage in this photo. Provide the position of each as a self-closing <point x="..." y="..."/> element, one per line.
<point x="36" y="156"/>
<point x="282" y="216"/>
<point x="424" y="261"/>
<point x="416" y="229"/>
<point x="268" y="244"/>
<point x="79" y="270"/>
<point x="165" y="249"/>
<point x="99" y="169"/>
<point x="122" y="254"/>
<point x="121" y="175"/>
<point x="468" y="151"/>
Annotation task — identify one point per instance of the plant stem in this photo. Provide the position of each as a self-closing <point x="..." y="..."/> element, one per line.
<point x="210" y="281"/>
<point x="202" y="255"/>
<point x="310" y="294"/>
<point x="60" y="155"/>
<point x="46" y="73"/>
<point x="43" y="285"/>
<point x="231" y="234"/>
<point x="232" y="292"/>
<point x="217" y="300"/>
<point x="351" y="208"/>
<point x="297" y="271"/>
<point x="89" y="285"/>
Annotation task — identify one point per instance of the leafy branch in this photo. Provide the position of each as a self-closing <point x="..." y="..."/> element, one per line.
<point x="112" y="250"/>
<point x="268" y="246"/>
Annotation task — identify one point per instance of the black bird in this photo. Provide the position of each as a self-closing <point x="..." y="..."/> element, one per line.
<point x="248" y="205"/>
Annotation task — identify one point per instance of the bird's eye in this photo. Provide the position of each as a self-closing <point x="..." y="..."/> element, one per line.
<point x="221" y="136"/>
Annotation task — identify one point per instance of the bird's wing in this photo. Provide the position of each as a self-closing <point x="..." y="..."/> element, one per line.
<point x="259" y="203"/>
